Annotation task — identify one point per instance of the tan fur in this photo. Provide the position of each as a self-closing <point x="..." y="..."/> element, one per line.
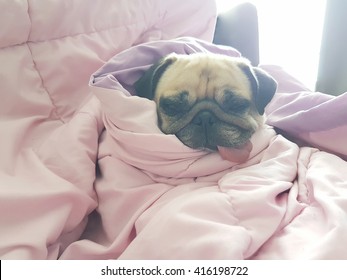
<point x="206" y="77"/>
<point x="208" y="100"/>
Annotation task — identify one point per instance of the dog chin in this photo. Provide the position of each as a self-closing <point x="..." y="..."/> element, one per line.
<point x="233" y="138"/>
<point x="237" y="153"/>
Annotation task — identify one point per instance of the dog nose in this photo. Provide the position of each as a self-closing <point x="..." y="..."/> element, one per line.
<point x="204" y="119"/>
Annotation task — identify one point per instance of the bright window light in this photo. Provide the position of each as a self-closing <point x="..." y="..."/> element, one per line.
<point x="290" y="33"/>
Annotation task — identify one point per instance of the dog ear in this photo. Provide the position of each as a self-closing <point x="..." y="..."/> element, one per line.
<point x="263" y="86"/>
<point x="146" y="85"/>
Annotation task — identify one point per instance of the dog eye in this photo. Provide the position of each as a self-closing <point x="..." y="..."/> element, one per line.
<point x="235" y="104"/>
<point x="174" y="105"/>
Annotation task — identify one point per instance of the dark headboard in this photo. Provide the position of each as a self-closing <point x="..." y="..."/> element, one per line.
<point x="238" y="28"/>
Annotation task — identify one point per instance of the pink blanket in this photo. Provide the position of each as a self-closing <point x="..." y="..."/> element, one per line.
<point x="49" y="126"/>
<point x="168" y="201"/>
<point x="89" y="175"/>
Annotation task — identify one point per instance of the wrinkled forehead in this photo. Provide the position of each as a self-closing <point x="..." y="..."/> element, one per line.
<point x="204" y="76"/>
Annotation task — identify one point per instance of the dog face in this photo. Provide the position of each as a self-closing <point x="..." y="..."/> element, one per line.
<point x="207" y="100"/>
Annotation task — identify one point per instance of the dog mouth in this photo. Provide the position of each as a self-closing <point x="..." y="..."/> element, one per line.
<point x="232" y="143"/>
<point x="227" y="135"/>
<point x="239" y="154"/>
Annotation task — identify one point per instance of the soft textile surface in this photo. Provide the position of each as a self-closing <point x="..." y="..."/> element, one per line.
<point x="49" y="127"/>
<point x="159" y="199"/>
<point x="91" y="176"/>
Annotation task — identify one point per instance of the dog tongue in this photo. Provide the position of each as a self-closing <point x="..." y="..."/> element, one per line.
<point x="238" y="155"/>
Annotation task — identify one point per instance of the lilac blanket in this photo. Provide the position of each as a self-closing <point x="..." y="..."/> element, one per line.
<point x="50" y="123"/>
<point x="85" y="173"/>
<point x="158" y="199"/>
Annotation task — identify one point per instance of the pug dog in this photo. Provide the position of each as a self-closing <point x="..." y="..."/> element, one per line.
<point x="209" y="101"/>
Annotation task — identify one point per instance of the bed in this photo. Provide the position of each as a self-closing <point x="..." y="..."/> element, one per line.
<point x="86" y="173"/>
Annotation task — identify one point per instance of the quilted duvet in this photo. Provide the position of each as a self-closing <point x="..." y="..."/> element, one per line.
<point x="87" y="174"/>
